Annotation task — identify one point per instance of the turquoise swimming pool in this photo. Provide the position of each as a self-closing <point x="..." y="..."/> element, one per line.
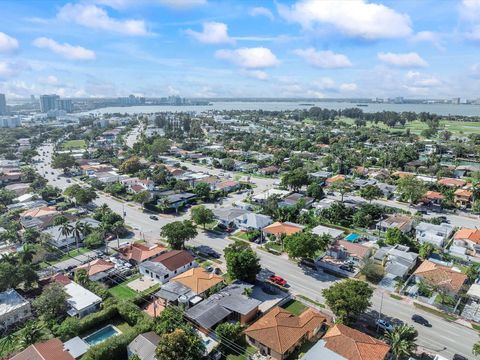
<point x="101" y="335"/>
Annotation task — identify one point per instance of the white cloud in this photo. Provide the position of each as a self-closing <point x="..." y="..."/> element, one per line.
<point x="182" y="4"/>
<point x="261" y="11"/>
<point x="421" y="80"/>
<point x="10" y="69"/>
<point x="175" y="4"/>
<point x="329" y="85"/>
<point x="65" y="50"/>
<point x="213" y="33"/>
<point x="256" y="74"/>
<point x="356" y="18"/>
<point x="249" y="58"/>
<point x="94" y="17"/>
<point x="50" y="80"/>
<point x="470" y="9"/>
<point x="428" y="36"/>
<point x="8" y="44"/>
<point x="411" y="59"/>
<point x="347" y="87"/>
<point x="323" y="59"/>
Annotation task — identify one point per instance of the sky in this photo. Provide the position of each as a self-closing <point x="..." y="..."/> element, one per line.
<point x="242" y="48"/>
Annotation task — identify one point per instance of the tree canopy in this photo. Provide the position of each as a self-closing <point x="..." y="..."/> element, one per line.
<point x="242" y="261"/>
<point x="178" y="232"/>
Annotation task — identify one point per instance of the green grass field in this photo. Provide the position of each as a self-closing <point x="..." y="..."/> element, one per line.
<point x="295" y="307"/>
<point x="74" y="144"/>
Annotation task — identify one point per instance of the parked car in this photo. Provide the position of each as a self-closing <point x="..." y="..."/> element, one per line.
<point x="153" y="217"/>
<point x="277" y="280"/>
<point x="459" y="357"/>
<point x="384" y="325"/>
<point x="308" y="263"/>
<point x="347" y="267"/>
<point x="421" y="320"/>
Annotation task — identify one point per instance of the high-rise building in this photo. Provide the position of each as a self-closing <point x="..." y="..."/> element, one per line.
<point x="64" y="104"/>
<point x="48" y="102"/>
<point x="3" y="105"/>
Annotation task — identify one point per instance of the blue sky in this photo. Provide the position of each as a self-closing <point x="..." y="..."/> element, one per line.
<point x="209" y="48"/>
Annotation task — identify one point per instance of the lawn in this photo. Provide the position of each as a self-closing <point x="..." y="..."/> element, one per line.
<point x="123" y="292"/>
<point x="72" y="253"/>
<point x="295" y="307"/>
<point x="247" y="350"/>
<point x="74" y="144"/>
<point x="439" y="313"/>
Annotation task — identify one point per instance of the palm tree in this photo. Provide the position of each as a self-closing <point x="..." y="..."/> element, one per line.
<point x="402" y="341"/>
<point x="81" y="276"/>
<point x="65" y="230"/>
<point x="10" y="258"/>
<point x="31" y="333"/>
<point x="117" y="229"/>
<point x="78" y="229"/>
<point x="27" y="253"/>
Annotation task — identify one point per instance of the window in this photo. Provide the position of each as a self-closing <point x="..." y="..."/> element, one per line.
<point x="166" y="276"/>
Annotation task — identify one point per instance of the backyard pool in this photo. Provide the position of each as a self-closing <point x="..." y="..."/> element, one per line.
<point x="101" y="335"/>
<point x="352" y="237"/>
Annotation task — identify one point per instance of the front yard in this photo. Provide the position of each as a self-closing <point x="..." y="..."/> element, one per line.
<point x="295" y="307"/>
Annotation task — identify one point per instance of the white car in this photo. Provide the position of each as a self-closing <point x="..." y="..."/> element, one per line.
<point x="384" y="325"/>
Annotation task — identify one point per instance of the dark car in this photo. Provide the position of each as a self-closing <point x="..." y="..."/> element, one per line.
<point x="347" y="267"/>
<point x="421" y="320"/>
<point x="153" y="217"/>
<point x="459" y="357"/>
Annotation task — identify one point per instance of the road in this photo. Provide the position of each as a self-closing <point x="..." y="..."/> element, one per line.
<point x="443" y="337"/>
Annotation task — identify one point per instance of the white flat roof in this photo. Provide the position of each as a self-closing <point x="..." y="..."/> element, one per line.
<point x="320" y="230"/>
<point x="80" y="298"/>
<point x="11" y="300"/>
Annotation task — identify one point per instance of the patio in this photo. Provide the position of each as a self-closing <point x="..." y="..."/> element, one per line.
<point x="141" y="284"/>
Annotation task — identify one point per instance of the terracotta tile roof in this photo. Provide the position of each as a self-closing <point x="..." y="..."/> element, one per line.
<point x="358" y="250"/>
<point x="140" y="252"/>
<point x="440" y="275"/>
<point x="174" y="259"/>
<point x="279" y="228"/>
<point x="463" y="193"/>
<point x="280" y="330"/>
<point x="227" y="184"/>
<point x="97" y="266"/>
<point x="62" y="279"/>
<point x="48" y="350"/>
<point x="354" y="345"/>
<point x="452" y="182"/>
<point x="468" y="234"/>
<point x="40" y="211"/>
<point x="433" y="195"/>
<point x="198" y="279"/>
<point x="402" y="174"/>
<point x="334" y="179"/>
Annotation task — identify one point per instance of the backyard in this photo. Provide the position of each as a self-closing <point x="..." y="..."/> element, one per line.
<point x="124" y="292"/>
<point x="74" y="144"/>
<point x="295" y="307"/>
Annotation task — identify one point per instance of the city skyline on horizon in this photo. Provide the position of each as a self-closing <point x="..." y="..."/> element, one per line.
<point x="225" y="49"/>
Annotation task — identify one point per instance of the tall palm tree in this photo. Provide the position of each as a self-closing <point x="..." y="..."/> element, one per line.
<point x="402" y="341"/>
<point x="78" y="231"/>
<point x="65" y="230"/>
<point x="10" y="258"/>
<point x="27" y="253"/>
<point x="31" y="333"/>
<point x="117" y="229"/>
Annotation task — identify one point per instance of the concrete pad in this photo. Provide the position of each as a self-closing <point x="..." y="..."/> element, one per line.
<point x="141" y="284"/>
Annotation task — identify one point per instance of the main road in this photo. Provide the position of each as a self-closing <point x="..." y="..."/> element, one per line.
<point x="445" y="338"/>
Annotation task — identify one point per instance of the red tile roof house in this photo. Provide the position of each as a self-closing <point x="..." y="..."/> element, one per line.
<point x="52" y="349"/>
<point x="227" y="186"/>
<point x="468" y="239"/>
<point x="269" y="170"/>
<point x="137" y="253"/>
<point x="168" y="265"/>
<point x="343" y="342"/>
<point x="97" y="269"/>
<point x="440" y="276"/>
<point x="463" y="198"/>
<point x="451" y="182"/>
<point x="279" y="333"/>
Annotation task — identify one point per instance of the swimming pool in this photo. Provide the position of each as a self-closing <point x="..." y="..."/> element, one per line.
<point x="352" y="237"/>
<point x="101" y="335"/>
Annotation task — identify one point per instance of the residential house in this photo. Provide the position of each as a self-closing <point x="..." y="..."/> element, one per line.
<point x="167" y="265"/>
<point x="471" y="310"/>
<point x="144" y="346"/>
<point x="294" y="199"/>
<point x="198" y="280"/>
<point x="13" y="308"/>
<point x="230" y="303"/>
<point x="440" y="276"/>
<point x="398" y="260"/>
<point x="19" y="189"/>
<point x="451" y="182"/>
<point x="226" y="216"/>
<point x="466" y="242"/>
<point x="323" y="204"/>
<point x="344" y="343"/>
<point x="175" y="200"/>
<point x="321" y="230"/>
<point x="80" y="300"/>
<point x="98" y="269"/>
<point x="176" y="293"/>
<point x="269" y="170"/>
<point x="334" y="179"/>
<point x="227" y="186"/>
<point x="279" y="333"/>
<point x="278" y="229"/>
<point x="59" y="240"/>
<point x="211" y="181"/>
<point x="436" y="235"/>
<point x="387" y="189"/>
<point x="52" y="349"/>
<point x="463" y="198"/>
<point x="403" y="222"/>
<point x="137" y="253"/>
<point x="264" y="196"/>
<point x="136" y="185"/>
<point x="38" y="218"/>
<point x="433" y="198"/>
<point x="348" y="251"/>
<point x="252" y="221"/>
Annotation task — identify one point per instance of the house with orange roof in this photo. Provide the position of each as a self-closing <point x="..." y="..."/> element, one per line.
<point x="137" y="253"/>
<point x="52" y="349"/>
<point x="402" y="174"/>
<point x="466" y="241"/>
<point x="433" y="198"/>
<point x="440" y="276"/>
<point x="198" y="280"/>
<point x="40" y="217"/>
<point x="344" y="343"/>
<point x="279" y="333"/>
<point x="451" y="182"/>
<point x="98" y="269"/>
<point x="278" y="229"/>
<point x="463" y="198"/>
<point x="334" y="179"/>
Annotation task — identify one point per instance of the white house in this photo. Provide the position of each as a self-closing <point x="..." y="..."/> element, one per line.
<point x="436" y="235"/>
<point x="167" y="265"/>
<point x="13" y="308"/>
<point x="59" y="240"/>
<point x="81" y="301"/>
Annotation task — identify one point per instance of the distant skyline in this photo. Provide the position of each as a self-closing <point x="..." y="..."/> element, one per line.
<point x="208" y="48"/>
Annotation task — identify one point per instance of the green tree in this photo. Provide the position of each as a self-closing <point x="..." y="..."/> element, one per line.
<point x="372" y="271"/>
<point x="411" y="189"/>
<point x="180" y="345"/>
<point x="348" y="299"/>
<point x="228" y="333"/>
<point x="31" y="333"/>
<point x="27" y="254"/>
<point x="170" y="319"/>
<point x="52" y="303"/>
<point x="6" y="196"/>
<point x="425" y="250"/>
<point x="178" y="232"/>
<point x="228" y="164"/>
<point x="81" y="195"/>
<point x="476" y="349"/>
<point x="202" y="215"/>
<point x="402" y="341"/>
<point x="131" y="165"/>
<point x="242" y="262"/>
<point x="371" y="192"/>
<point x="70" y="327"/>
<point x="295" y="179"/>
<point x="395" y="236"/>
<point x="81" y="276"/>
<point x="305" y="245"/>
<point x="342" y="186"/>
<point x="315" y="191"/>
<point x="66" y="230"/>
<point x="142" y="197"/>
<point x="63" y="161"/>
<point x="94" y="240"/>
<point x="473" y="271"/>
<point x="202" y="190"/>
